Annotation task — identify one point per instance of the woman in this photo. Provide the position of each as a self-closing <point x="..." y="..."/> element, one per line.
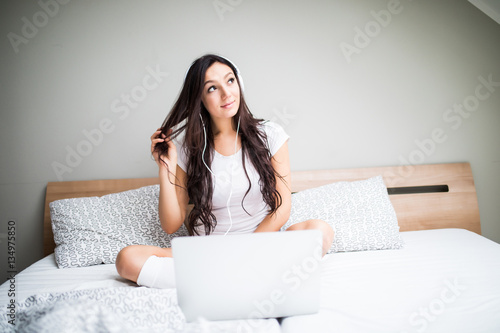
<point x="233" y="167"/>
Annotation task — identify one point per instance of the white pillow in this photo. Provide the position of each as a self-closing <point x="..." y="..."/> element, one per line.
<point x="360" y="213"/>
<point x="92" y="230"/>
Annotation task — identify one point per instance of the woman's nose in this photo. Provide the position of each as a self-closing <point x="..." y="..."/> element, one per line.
<point x="225" y="92"/>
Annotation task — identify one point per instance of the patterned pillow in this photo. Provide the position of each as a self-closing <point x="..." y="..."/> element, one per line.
<point x="92" y="230"/>
<point x="360" y="213"/>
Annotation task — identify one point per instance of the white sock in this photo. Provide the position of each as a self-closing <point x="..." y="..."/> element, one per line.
<point x="157" y="272"/>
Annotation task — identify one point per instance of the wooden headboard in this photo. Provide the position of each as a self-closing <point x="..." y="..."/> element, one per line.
<point x="456" y="208"/>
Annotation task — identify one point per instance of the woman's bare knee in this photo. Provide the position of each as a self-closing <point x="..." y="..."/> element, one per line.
<point x="127" y="263"/>
<point x="130" y="259"/>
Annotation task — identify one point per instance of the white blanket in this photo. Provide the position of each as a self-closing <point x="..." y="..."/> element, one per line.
<point x="116" y="310"/>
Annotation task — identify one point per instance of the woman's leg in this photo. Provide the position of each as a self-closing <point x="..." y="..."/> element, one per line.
<point x="316" y="224"/>
<point x="147" y="263"/>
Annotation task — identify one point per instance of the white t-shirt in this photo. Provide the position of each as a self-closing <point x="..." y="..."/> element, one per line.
<point x="253" y="203"/>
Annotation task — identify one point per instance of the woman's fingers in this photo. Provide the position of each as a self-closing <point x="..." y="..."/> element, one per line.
<point x="159" y="137"/>
<point x="155" y="141"/>
<point x="156" y="134"/>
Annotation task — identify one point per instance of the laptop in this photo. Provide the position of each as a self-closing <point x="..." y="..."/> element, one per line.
<point x="248" y="276"/>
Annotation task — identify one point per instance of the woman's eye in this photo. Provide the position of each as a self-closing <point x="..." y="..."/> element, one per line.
<point x="212" y="88"/>
<point x="231" y="80"/>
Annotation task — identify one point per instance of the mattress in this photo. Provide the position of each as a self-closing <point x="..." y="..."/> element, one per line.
<point x="445" y="280"/>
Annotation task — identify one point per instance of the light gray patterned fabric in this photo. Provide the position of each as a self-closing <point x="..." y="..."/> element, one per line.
<point x="118" y="310"/>
<point x="360" y="213"/>
<point x="92" y="230"/>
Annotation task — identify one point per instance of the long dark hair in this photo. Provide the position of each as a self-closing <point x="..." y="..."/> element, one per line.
<point x="185" y="116"/>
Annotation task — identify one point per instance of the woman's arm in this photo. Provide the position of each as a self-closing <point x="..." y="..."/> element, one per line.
<point x="173" y="198"/>
<point x="281" y="163"/>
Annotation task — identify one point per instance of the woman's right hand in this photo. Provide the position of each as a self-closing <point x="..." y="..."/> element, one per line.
<point x="171" y="157"/>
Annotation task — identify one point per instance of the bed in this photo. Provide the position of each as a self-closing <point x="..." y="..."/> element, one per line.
<point x="433" y="273"/>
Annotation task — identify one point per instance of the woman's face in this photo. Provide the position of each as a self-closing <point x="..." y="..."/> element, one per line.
<point x="221" y="92"/>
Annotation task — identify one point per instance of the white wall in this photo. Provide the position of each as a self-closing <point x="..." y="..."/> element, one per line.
<point x="369" y="109"/>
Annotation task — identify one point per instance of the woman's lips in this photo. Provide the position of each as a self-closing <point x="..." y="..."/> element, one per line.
<point x="228" y="105"/>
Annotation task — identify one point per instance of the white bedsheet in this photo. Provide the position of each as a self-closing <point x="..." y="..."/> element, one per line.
<point x="445" y="280"/>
